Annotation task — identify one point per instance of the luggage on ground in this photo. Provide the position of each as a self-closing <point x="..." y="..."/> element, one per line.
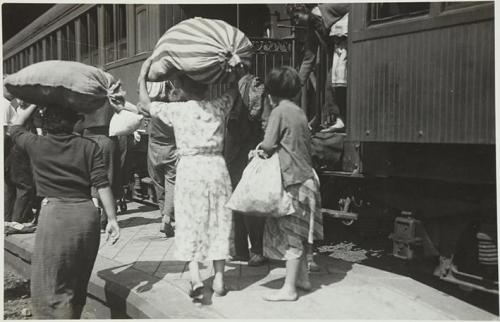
<point x="80" y="87"/>
<point x="206" y="50"/>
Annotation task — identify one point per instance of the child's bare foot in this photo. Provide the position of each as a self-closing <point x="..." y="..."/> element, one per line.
<point x="281" y="295"/>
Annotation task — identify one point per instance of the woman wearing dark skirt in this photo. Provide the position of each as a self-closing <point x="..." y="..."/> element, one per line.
<point x="287" y="238"/>
<point x="67" y="239"/>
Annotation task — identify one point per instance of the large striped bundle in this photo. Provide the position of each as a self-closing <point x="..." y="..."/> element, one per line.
<point x="206" y="50"/>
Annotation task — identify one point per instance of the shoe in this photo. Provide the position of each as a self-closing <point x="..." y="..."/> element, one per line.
<point x="240" y="258"/>
<point x="257" y="260"/>
<point x="196" y="291"/>
<point x="168" y="230"/>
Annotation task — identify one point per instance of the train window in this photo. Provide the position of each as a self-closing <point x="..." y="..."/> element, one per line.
<point x="35" y="53"/>
<point x="26" y="57"/>
<point x="109" y="41"/>
<point x="21" y="60"/>
<point x="17" y="63"/>
<point x="84" y="39"/>
<point x="121" y="30"/>
<point x="93" y="37"/>
<point x="70" y="30"/>
<point x="141" y="29"/>
<point x="115" y="32"/>
<point x="39" y="51"/>
<point x="388" y="11"/>
<point x="68" y="42"/>
<point x="51" y="47"/>
<point x="64" y="44"/>
<point x="461" y="4"/>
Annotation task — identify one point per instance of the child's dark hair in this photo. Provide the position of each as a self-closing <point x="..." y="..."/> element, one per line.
<point x="283" y="82"/>
<point x="59" y="119"/>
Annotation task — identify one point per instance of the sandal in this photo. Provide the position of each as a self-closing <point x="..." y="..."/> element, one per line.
<point x="196" y="291"/>
<point x="168" y="230"/>
<point x="257" y="260"/>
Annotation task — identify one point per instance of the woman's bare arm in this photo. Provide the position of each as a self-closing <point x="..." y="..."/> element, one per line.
<point x="144" y="100"/>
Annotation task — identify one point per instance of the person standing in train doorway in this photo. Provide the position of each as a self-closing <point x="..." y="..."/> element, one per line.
<point x="243" y="133"/>
<point x="318" y="20"/>
<point x="162" y="158"/>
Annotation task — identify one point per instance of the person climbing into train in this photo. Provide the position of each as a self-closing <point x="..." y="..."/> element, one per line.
<point x="162" y="158"/>
<point x="334" y="108"/>
<point x="287" y="133"/>
<point x="243" y="133"/>
<point x="203" y="186"/>
<point x="67" y="239"/>
<point x="318" y="19"/>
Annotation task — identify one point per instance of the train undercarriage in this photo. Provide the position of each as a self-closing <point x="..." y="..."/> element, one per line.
<point x="440" y="210"/>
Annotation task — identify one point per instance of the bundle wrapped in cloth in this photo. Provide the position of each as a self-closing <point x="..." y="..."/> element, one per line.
<point x="125" y="122"/>
<point x="70" y="84"/>
<point x="205" y="50"/>
<point x="260" y="191"/>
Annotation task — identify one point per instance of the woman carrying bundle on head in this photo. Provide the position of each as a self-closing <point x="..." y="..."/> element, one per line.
<point x="203" y="187"/>
<point x="67" y="239"/>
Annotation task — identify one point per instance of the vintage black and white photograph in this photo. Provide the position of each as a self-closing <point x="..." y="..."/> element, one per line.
<point x="234" y="160"/>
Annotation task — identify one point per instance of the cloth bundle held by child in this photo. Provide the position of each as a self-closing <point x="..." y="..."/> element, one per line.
<point x="206" y="50"/>
<point x="70" y="84"/>
<point x="260" y="191"/>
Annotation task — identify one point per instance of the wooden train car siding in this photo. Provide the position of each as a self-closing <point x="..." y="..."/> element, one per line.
<point x="434" y="86"/>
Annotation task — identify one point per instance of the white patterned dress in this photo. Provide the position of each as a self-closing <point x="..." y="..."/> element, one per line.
<point x="202" y="222"/>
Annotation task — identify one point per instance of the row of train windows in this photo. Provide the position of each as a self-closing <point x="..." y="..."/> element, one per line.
<point x="388" y="11"/>
<point x="65" y="39"/>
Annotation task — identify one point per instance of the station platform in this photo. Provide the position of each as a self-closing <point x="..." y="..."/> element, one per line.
<point x="138" y="277"/>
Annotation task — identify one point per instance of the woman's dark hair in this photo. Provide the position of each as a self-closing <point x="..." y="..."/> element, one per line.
<point x="59" y="119"/>
<point x="283" y="82"/>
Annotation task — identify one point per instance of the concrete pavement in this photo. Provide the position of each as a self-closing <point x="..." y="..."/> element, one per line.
<point x="138" y="275"/>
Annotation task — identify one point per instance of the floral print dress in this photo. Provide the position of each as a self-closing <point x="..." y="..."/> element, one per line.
<point x="203" y="187"/>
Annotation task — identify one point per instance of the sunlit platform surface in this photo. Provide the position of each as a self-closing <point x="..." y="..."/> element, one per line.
<point x="139" y="276"/>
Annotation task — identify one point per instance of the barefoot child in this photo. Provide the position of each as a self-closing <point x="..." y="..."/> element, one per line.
<point x="287" y="133"/>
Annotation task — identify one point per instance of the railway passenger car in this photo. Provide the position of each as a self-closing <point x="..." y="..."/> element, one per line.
<point x="420" y="134"/>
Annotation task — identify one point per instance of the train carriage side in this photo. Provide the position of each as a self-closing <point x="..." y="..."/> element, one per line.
<point x="421" y="128"/>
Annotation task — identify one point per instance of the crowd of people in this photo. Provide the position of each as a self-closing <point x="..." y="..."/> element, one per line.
<point x="198" y="149"/>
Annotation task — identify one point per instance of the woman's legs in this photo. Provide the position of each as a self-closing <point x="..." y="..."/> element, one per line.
<point x="196" y="291"/>
<point x="218" y="283"/>
<point x="194" y="272"/>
